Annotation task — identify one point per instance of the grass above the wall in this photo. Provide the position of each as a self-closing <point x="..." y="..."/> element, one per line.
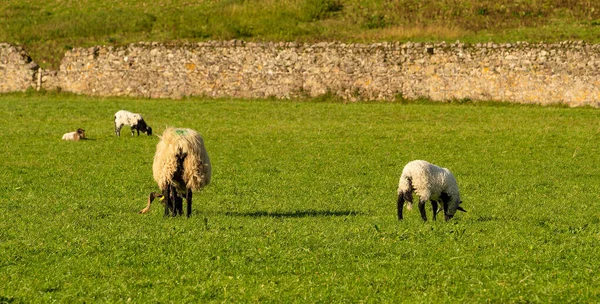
<point x="48" y="28"/>
<point x="301" y="207"/>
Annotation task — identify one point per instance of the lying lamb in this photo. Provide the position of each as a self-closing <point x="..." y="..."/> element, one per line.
<point x="77" y="135"/>
<point x="429" y="182"/>
<point x="134" y="120"/>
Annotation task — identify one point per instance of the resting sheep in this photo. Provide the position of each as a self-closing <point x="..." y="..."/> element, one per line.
<point x="134" y="120"/>
<point x="429" y="182"/>
<point x="181" y="165"/>
<point x="77" y="135"/>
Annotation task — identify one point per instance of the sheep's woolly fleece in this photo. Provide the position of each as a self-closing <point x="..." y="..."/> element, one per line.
<point x="197" y="168"/>
<point x="71" y="136"/>
<point x="76" y="135"/>
<point x="127" y="118"/>
<point x="428" y="181"/>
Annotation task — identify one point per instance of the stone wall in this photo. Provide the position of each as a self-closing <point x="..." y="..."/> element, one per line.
<point x="17" y="70"/>
<point x="566" y="72"/>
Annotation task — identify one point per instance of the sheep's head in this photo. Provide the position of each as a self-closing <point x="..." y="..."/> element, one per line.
<point x="81" y="133"/>
<point x="143" y="127"/>
<point x="453" y="206"/>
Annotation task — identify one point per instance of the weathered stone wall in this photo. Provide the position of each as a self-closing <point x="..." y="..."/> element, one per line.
<point x="567" y="72"/>
<point x="17" y="70"/>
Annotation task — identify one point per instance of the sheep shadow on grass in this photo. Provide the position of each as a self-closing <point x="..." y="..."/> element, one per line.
<point x="294" y="214"/>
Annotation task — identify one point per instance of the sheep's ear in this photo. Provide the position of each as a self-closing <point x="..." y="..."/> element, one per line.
<point x="461" y="209"/>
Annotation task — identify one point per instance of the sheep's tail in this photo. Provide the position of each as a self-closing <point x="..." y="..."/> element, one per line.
<point x="405" y="190"/>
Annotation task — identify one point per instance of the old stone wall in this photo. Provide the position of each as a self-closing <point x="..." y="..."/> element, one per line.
<point x="566" y="72"/>
<point x="17" y="70"/>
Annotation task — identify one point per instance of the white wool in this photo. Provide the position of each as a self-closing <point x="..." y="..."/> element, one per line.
<point x="127" y="118"/>
<point x="134" y="120"/>
<point x="71" y="136"/>
<point x="429" y="182"/>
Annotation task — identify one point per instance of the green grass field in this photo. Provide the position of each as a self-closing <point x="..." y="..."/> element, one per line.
<point x="301" y="207"/>
<point x="48" y="28"/>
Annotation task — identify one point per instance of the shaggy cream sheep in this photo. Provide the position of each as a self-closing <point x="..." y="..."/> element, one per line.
<point x="77" y="135"/>
<point x="429" y="182"/>
<point x="181" y="165"/>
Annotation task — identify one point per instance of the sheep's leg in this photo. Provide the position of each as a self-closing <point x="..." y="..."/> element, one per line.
<point x="174" y="197"/>
<point x="408" y="198"/>
<point x="151" y="198"/>
<point x="188" y="199"/>
<point x="400" y="205"/>
<point x="434" y="206"/>
<point x="447" y="217"/>
<point x="133" y="131"/>
<point x="118" y="129"/>
<point x="445" y="201"/>
<point x="178" y="205"/>
<point x="445" y="206"/>
<point x="167" y="195"/>
<point x="422" y="209"/>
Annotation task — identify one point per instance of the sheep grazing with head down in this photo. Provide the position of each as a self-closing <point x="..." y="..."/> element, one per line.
<point x="77" y="135"/>
<point x="429" y="182"/>
<point x="134" y="120"/>
<point x="181" y="165"/>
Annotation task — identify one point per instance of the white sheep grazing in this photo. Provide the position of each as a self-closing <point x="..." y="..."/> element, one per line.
<point x="134" y="120"/>
<point x="181" y="165"/>
<point x="429" y="182"/>
<point x="77" y="135"/>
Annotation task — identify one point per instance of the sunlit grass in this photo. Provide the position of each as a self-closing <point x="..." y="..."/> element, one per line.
<point x="301" y="207"/>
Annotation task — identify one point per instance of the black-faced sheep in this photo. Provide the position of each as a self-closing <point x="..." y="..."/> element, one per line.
<point x="429" y="182"/>
<point x="76" y="135"/>
<point x="134" y="120"/>
<point x="181" y="165"/>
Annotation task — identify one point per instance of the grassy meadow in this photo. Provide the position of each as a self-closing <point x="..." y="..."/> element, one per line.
<point x="48" y="28"/>
<point x="301" y="207"/>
